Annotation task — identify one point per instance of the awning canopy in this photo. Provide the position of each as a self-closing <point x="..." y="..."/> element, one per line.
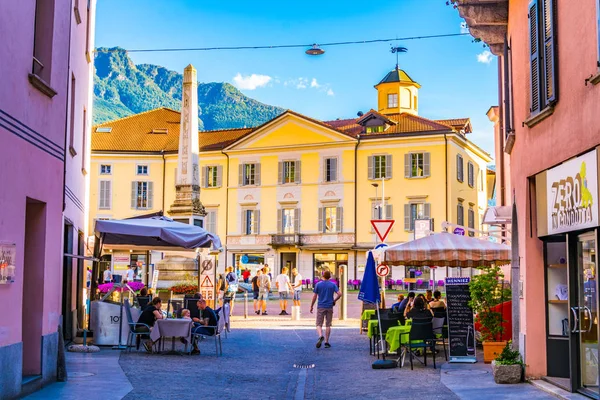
<point x="497" y="215"/>
<point x="447" y="250"/>
<point x="155" y="232"/>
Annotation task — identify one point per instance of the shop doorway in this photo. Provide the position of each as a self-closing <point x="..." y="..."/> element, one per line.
<point x="67" y="283"/>
<point x="586" y="312"/>
<point x="288" y="260"/>
<point x="329" y="262"/>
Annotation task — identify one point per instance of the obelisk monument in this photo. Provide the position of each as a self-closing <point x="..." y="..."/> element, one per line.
<point x="187" y="182"/>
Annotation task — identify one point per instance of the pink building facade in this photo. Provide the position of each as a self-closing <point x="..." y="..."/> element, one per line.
<point x="36" y="66"/>
<point x="549" y="52"/>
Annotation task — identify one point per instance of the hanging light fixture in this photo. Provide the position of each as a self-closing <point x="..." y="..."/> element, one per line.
<point x="315" y="50"/>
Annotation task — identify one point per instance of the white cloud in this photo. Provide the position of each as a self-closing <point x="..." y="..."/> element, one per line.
<point x="485" y="57"/>
<point x="330" y="92"/>
<point x="251" y="82"/>
<point x="302" y="83"/>
<point x="314" y="83"/>
<point x="463" y="27"/>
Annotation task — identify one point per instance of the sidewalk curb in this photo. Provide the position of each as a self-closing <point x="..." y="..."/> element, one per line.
<point x="555" y="390"/>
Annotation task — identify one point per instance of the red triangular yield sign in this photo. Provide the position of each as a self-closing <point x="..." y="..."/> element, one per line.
<point x="382" y="227"/>
<point x="206" y="282"/>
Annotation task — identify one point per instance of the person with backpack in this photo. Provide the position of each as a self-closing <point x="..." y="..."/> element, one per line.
<point x="232" y="288"/>
<point x="256" y="291"/>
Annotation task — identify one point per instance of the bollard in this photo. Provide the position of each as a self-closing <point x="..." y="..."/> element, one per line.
<point x="245" y="304"/>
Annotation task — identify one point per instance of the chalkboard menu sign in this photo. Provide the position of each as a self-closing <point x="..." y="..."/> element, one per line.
<point x="461" y="332"/>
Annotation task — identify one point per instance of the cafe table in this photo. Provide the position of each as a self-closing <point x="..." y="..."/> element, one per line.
<point x="173" y="328"/>
<point x="365" y="316"/>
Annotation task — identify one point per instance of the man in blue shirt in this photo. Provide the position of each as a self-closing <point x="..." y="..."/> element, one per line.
<point x="324" y="291"/>
<point x="400" y="307"/>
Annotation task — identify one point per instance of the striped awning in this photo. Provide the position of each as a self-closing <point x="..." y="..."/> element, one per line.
<point x="448" y="250"/>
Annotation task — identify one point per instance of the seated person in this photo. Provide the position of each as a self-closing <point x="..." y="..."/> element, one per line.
<point x="437" y="301"/>
<point x="428" y="296"/>
<point x="148" y="316"/>
<point x="204" y="325"/>
<point x="185" y="314"/>
<point x="419" y="310"/>
<point x="396" y="305"/>
<point x="401" y="308"/>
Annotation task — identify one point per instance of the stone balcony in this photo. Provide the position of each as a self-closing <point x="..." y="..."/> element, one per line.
<point x="487" y="20"/>
<point x="293" y="239"/>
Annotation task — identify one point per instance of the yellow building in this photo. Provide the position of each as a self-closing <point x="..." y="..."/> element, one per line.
<point x="296" y="191"/>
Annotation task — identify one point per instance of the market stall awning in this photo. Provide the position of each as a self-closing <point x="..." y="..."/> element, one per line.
<point x="497" y="215"/>
<point x="447" y="250"/>
<point x="155" y="232"/>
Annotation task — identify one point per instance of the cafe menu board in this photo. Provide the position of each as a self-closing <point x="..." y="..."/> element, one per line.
<point x="461" y="331"/>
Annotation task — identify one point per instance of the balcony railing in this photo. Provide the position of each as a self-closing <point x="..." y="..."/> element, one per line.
<point x="293" y="239"/>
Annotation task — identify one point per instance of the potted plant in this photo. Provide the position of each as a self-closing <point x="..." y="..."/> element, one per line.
<point x="508" y="366"/>
<point x="487" y="290"/>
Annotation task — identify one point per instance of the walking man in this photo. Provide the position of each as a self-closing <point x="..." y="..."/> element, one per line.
<point x="324" y="291"/>
<point x="264" y="286"/>
<point x="297" y="286"/>
<point x="283" y="287"/>
<point x="256" y="291"/>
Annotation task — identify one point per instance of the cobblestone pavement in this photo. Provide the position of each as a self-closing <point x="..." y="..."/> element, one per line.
<point x="259" y="363"/>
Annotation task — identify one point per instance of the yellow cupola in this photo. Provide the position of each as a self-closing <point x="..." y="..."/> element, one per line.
<point x="397" y="93"/>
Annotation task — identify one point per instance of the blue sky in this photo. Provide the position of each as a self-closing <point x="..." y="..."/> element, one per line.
<point x="458" y="77"/>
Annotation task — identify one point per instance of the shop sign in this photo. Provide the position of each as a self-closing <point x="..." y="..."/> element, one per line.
<point x="121" y="259"/>
<point x="8" y="258"/>
<point x="572" y="194"/>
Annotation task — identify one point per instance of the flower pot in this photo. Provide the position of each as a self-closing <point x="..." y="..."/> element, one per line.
<point x="507" y="373"/>
<point x="491" y="350"/>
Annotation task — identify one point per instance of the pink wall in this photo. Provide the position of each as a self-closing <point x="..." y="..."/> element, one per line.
<point x="27" y="170"/>
<point x="572" y="129"/>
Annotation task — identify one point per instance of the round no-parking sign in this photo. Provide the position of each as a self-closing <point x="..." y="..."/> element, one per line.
<point x="383" y="270"/>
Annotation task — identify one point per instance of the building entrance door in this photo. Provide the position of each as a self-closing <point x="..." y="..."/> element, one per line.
<point x="288" y="260"/>
<point x="586" y="312"/>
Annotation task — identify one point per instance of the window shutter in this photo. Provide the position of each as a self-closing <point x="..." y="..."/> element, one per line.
<point x="297" y="220"/>
<point x="241" y="175"/>
<point x="320" y="226"/>
<point x="324" y="169"/>
<point x="280" y="173"/>
<point x="507" y="98"/>
<point x="427" y="207"/>
<point x="244" y="222"/>
<point x="108" y="194"/>
<point x="279" y="221"/>
<point x="460" y="217"/>
<point x="134" y="195"/>
<point x="204" y="181"/>
<point x="426" y="164"/>
<point x="371" y="167"/>
<point x="459" y="168"/>
<point x="101" y="195"/>
<point x="256" y="222"/>
<point x="150" y="195"/>
<point x="407" y="217"/>
<point x="297" y="172"/>
<point x="257" y="174"/>
<point x="389" y="211"/>
<point x="534" y="56"/>
<point x="388" y="166"/>
<point x="549" y="53"/>
<point x="407" y="165"/>
<point x="374" y="211"/>
<point x="219" y="176"/>
<point x="339" y="216"/>
<point x="333" y="170"/>
<point x="470" y="174"/>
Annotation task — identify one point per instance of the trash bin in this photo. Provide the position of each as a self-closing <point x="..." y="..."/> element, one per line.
<point x="105" y="320"/>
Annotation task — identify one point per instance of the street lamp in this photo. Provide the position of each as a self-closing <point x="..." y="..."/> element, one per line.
<point x="315" y="50"/>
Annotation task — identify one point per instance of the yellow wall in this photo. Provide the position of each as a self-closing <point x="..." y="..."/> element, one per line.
<point x="397" y="88"/>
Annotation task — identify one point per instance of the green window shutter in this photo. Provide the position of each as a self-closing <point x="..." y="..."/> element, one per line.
<point x="279" y="221"/>
<point x="321" y="227"/>
<point x="297" y="220"/>
<point x="241" y="175"/>
<point x="388" y="166"/>
<point x="426" y="164"/>
<point x="407" y="217"/>
<point x="534" y="57"/>
<point x="257" y="174"/>
<point x="297" y="178"/>
<point x="339" y="214"/>
<point x="150" y="195"/>
<point x="549" y="57"/>
<point x="134" y="195"/>
<point x="256" y="222"/>
<point x="371" y="167"/>
<point x="407" y="165"/>
<point x="280" y="172"/>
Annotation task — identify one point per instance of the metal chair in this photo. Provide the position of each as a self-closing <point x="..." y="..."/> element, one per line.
<point x="386" y="323"/>
<point x="133" y="327"/>
<point x="218" y="329"/>
<point x="440" y="332"/>
<point x="421" y="331"/>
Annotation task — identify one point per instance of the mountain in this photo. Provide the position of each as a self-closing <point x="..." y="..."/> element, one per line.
<point x="122" y="88"/>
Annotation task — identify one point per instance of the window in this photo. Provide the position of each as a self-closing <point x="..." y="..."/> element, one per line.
<point x="105" y="169"/>
<point x="460" y="214"/>
<point x="249" y="174"/>
<point x="375" y="128"/>
<point x="393" y="100"/>
<point x="288" y="221"/>
<point x="380" y="167"/>
<point x="459" y="168"/>
<point x="471" y="220"/>
<point x="105" y="195"/>
<point x="72" y="119"/>
<point x="142" y="170"/>
<point x="330" y="169"/>
<point x="250" y="221"/>
<point x="211" y="221"/>
<point x="141" y="195"/>
<point x="84" y="143"/>
<point x="413" y="211"/>
<point x="289" y="172"/>
<point x="542" y="19"/>
<point x="211" y="176"/>
<point x="417" y="165"/>
<point x="377" y="212"/>
<point x="43" y="37"/>
<point x="471" y="174"/>
<point x="330" y="219"/>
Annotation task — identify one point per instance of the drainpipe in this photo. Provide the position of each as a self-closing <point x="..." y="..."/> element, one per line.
<point x="446" y="171"/>
<point x="355" y="201"/>
<point x="67" y="116"/>
<point x="226" y="208"/>
<point x="162" y="153"/>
